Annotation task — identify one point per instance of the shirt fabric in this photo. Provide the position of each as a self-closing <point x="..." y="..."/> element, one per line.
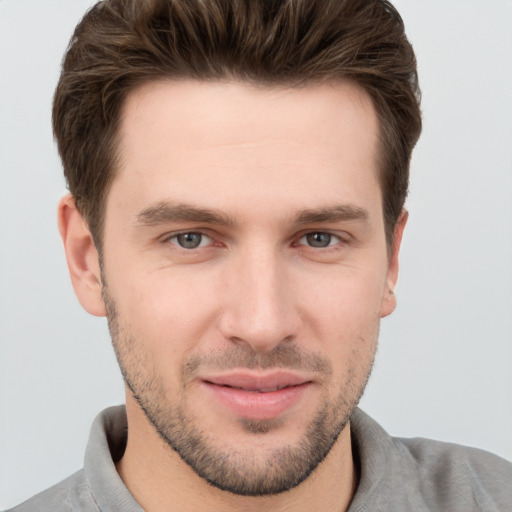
<point x="413" y="475"/>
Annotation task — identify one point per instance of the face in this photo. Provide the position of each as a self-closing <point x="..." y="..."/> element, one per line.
<point x="245" y="271"/>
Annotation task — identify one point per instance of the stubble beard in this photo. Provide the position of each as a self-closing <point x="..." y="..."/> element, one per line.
<point x="238" y="471"/>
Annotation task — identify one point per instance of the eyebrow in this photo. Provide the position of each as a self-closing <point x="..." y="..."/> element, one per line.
<point x="344" y="212"/>
<point x="165" y="213"/>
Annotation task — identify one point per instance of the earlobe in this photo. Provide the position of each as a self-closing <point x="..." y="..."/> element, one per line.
<point x="389" y="298"/>
<point x="82" y="257"/>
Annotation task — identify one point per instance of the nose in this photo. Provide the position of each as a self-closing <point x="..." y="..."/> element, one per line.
<point x="259" y="307"/>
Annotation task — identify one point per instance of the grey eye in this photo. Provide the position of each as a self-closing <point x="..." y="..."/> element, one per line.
<point x="319" y="239"/>
<point x="189" y="240"/>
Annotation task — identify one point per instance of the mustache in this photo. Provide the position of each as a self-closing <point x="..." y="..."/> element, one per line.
<point x="283" y="356"/>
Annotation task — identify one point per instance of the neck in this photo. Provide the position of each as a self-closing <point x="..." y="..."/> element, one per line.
<point x="159" y="479"/>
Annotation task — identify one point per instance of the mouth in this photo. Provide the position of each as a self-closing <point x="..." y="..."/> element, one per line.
<point x="253" y="390"/>
<point x="260" y="397"/>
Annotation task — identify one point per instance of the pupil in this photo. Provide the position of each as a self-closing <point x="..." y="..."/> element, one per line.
<point x="189" y="240"/>
<point x="319" y="239"/>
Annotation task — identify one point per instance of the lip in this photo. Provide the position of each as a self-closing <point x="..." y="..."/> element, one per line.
<point x="257" y="396"/>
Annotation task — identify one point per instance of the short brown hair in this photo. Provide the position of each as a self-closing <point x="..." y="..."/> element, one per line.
<point x="120" y="44"/>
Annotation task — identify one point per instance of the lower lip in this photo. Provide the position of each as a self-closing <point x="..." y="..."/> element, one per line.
<point x="258" y="406"/>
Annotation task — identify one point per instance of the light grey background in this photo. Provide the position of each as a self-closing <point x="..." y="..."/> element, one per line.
<point x="444" y="367"/>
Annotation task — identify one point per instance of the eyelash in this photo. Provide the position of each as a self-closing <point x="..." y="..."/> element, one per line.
<point x="173" y="239"/>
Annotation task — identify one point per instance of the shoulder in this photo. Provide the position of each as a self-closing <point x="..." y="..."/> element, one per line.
<point x="97" y="486"/>
<point x="426" y="475"/>
<point x="70" y="495"/>
<point x="446" y="468"/>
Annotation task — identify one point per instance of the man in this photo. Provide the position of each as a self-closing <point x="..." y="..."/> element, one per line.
<point x="238" y="173"/>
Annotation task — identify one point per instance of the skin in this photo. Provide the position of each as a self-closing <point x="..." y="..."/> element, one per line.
<point x="282" y="169"/>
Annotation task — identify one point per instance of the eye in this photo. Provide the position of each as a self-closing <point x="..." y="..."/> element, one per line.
<point x="319" y="239"/>
<point x="190" y="240"/>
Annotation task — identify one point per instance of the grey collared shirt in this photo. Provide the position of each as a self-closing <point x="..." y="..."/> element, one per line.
<point x="413" y="475"/>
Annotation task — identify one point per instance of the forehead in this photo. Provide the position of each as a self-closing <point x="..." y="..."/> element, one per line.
<point x="209" y="113"/>
<point x="206" y="142"/>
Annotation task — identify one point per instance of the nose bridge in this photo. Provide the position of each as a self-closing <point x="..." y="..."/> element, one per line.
<point x="260" y="309"/>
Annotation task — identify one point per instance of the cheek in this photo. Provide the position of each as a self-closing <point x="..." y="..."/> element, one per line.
<point x="344" y="323"/>
<point x="349" y="298"/>
<point x="166" y="311"/>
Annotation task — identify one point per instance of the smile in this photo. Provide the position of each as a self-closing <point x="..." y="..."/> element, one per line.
<point x="259" y="397"/>
<point x="259" y="390"/>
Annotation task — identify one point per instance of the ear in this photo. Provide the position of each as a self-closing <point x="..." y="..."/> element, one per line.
<point x="82" y="257"/>
<point x="389" y="300"/>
